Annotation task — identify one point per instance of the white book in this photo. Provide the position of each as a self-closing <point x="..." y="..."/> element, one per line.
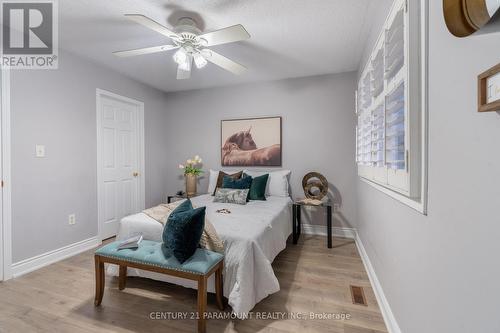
<point x="130" y="243"/>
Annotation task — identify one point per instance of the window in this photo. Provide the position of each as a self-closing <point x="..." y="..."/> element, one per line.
<point x="389" y="107"/>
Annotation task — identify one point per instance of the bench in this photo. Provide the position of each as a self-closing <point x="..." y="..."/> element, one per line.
<point x="149" y="257"/>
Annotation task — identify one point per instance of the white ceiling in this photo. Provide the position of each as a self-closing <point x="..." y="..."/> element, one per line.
<point x="289" y="38"/>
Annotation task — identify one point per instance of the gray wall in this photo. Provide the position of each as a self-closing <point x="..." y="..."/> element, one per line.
<point x="440" y="272"/>
<point x="58" y="109"/>
<point x="318" y="129"/>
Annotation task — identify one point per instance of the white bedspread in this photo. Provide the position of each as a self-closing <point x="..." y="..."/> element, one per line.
<point x="253" y="235"/>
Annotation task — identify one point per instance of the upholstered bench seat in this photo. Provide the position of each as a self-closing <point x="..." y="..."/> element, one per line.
<point x="151" y="253"/>
<point x="150" y="256"/>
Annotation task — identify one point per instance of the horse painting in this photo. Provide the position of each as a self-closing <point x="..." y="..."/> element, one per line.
<point x="240" y="149"/>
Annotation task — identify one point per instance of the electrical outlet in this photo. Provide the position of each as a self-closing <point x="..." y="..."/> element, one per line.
<point x="72" y="219"/>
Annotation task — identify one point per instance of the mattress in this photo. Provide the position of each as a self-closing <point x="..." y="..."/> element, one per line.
<point x="253" y="235"/>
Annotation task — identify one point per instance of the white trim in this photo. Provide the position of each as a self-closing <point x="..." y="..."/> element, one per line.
<point x="320" y="230"/>
<point x="385" y="309"/>
<point x="42" y="260"/>
<point x="6" y="219"/>
<point x="424" y="49"/>
<point x="140" y="152"/>
<point x="417" y="205"/>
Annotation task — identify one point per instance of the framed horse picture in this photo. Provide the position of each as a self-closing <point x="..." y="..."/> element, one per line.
<point x="251" y="142"/>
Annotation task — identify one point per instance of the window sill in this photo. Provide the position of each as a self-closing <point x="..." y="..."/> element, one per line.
<point x="418" y="204"/>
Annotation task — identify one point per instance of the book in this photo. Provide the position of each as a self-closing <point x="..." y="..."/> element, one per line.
<point x="130" y="243"/>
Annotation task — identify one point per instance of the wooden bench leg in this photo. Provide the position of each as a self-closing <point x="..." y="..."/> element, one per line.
<point x="219" y="289"/>
<point x="99" y="281"/>
<point x="122" y="278"/>
<point x="202" y="303"/>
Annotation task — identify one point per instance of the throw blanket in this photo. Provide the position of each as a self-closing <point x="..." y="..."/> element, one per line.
<point x="210" y="240"/>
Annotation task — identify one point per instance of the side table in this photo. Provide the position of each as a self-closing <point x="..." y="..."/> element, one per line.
<point x="296" y="219"/>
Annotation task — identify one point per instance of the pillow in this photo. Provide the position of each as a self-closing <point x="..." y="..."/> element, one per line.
<point x="277" y="184"/>
<point x="231" y="195"/>
<point x="212" y="181"/>
<point x="220" y="178"/>
<point x="183" y="230"/>
<point x="258" y="187"/>
<point x="242" y="183"/>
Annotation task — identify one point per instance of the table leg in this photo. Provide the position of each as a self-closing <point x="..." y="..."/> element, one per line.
<point x="202" y="304"/>
<point x="99" y="281"/>
<point x="219" y="287"/>
<point x="329" y="225"/>
<point x="299" y="220"/>
<point x="294" y="223"/>
<point x="122" y="277"/>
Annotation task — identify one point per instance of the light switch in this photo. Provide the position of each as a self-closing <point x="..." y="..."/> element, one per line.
<point x="40" y="150"/>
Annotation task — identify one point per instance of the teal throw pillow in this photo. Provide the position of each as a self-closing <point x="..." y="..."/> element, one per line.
<point x="183" y="230"/>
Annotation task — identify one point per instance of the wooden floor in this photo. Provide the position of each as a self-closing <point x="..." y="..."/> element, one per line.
<point x="60" y="297"/>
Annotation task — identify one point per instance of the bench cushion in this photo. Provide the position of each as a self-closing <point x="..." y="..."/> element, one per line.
<point x="151" y="253"/>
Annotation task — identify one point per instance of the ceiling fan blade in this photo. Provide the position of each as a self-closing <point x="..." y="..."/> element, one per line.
<point x="224" y="62"/>
<point x="145" y="50"/>
<point x="227" y="35"/>
<point x="184" y="72"/>
<point x="153" y="25"/>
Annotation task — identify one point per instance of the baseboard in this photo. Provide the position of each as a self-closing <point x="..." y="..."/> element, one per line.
<point x="28" y="265"/>
<point x="385" y="309"/>
<point x="313" y="229"/>
<point x="389" y="319"/>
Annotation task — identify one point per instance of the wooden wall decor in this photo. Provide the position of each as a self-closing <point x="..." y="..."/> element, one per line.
<point x="315" y="185"/>
<point x="489" y="90"/>
<point x="466" y="17"/>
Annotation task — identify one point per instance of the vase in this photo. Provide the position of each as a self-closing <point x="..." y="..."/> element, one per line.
<point x="190" y="185"/>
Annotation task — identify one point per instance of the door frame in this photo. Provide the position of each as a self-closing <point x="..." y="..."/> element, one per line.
<point x="5" y="173"/>
<point x="140" y="152"/>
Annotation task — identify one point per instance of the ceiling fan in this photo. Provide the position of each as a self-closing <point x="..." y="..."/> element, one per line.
<point x="191" y="44"/>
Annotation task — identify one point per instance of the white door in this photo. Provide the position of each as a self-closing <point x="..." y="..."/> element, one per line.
<point x="121" y="159"/>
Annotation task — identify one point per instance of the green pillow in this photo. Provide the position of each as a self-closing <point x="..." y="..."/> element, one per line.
<point x="240" y="184"/>
<point x="183" y="230"/>
<point x="258" y="187"/>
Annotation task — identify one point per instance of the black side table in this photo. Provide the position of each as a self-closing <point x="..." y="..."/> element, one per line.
<point x="296" y="217"/>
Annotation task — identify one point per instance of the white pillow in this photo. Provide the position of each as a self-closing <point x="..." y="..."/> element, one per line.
<point x="212" y="180"/>
<point x="277" y="183"/>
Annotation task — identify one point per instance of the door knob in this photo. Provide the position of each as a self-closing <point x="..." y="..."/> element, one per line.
<point x="136" y="174"/>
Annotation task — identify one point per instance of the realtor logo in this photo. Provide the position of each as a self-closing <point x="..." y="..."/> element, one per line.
<point x="29" y="34"/>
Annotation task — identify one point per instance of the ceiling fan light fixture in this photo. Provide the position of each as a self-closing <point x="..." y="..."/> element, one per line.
<point x="186" y="65"/>
<point x="180" y="57"/>
<point x="199" y="61"/>
<point x="191" y="44"/>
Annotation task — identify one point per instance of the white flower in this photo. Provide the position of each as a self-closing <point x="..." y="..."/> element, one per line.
<point x="189" y="162"/>
<point x="181" y="166"/>
<point x="199" y="160"/>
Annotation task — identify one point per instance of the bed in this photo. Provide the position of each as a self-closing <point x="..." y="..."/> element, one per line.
<point x="253" y="235"/>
